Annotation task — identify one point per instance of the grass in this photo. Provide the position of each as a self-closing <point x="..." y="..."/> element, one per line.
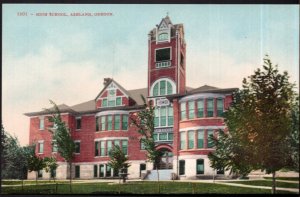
<point x="136" y="188"/>
<point x="268" y="183"/>
<point x="27" y="182"/>
<point x="284" y="178"/>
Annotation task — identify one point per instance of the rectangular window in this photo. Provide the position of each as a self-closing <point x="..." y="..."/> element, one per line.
<point x="200" y="106"/>
<point x="95" y="171"/>
<point x="102" y="148"/>
<point x="117" y="143"/>
<point x="191" y="136"/>
<point x="117" y="122"/>
<point x="96" y="148"/>
<point x="163" y="54"/>
<point x="77" y="147"/>
<point x="156" y="117"/>
<point x="163" y="137"/>
<point x="162" y="88"/>
<point x="118" y="101"/>
<point x="109" y="147"/>
<point x="142" y="145"/>
<point x="52" y="173"/>
<point x="78" y="123"/>
<point x="109" y="122"/>
<point x="163" y="115"/>
<point x="124" y="146"/>
<point x="77" y="171"/>
<point x="182" y="140"/>
<point x="220" y="104"/>
<point x="181" y="167"/>
<point x="170" y="116"/>
<point x="54" y="146"/>
<point x="103" y="123"/>
<point x="191" y="109"/>
<point x="200" y="139"/>
<point x="155" y="137"/>
<point x="124" y="122"/>
<point x="101" y="170"/>
<point x="41" y="147"/>
<point x="210" y="143"/>
<point x="97" y="124"/>
<point x="183" y="111"/>
<point x="170" y="136"/>
<point x="210" y="107"/>
<point x="200" y="166"/>
<point x="111" y="103"/>
<point x="108" y="171"/>
<point x="104" y="103"/>
<point x="42" y="123"/>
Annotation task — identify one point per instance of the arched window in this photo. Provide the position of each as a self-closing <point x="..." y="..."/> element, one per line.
<point x="163" y="36"/>
<point x="163" y="87"/>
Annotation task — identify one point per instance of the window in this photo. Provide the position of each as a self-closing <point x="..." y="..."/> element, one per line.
<point x="220" y="103"/>
<point x="200" y="139"/>
<point x="111" y="98"/>
<point x="97" y="124"/>
<point x="77" y="171"/>
<point x="210" y="107"/>
<point x="200" y="166"/>
<point x="54" y="146"/>
<point x="170" y="116"/>
<point x="210" y="143"/>
<point x="181" y="167"/>
<point x="156" y="117"/>
<point x="40" y="173"/>
<point x="42" y="123"/>
<point x="142" y="144"/>
<point x="124" y="122"/>
<point x="117" y="143"/>
<point x="191" y="109"/>
<point x="103" y="124"/>
<point x="170" y="136"/>
<point x="163" y="137"/>
<point x="200" y="106"/>
<point x="108" y="171"/>
<point x="155" y="137"/>
<point x="102" y="148"/>
<point x="78" y="123"/>
<point x="163" y="36"/>
<point x="41" y="147"/>
<point x="124" y="146"/>
<point x="182" y="111"/>
<point x="118" y="101"/>
<point x="52" y="173"/>
<point x="96" y="148"/>
<point x="163" y="114"/>
<point x="109" y="147"/>
<point x="163" y="54"/>
<point x="77" y="147"/>
<point x="109" y="122"/>
<point x="162" y="87"/>
<point x="104" y="102"/>
<point x="101" y="170"/>
<point x="191" y="136"/>
<point x="95" y="171"/>
<point x="117" y="122"/>
<point x="182" y="140"/>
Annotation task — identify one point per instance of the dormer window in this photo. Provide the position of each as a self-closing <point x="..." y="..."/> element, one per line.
<point x="163" y="37"/>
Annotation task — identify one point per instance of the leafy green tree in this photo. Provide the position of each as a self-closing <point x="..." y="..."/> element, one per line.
<point x="144" y="121"/>
<point x="50" y="166"/>
<point x="62" y="135"/>
<point x="118" y="159"/>
<point x="259" y="121"/>
<point x="35" y="164"/>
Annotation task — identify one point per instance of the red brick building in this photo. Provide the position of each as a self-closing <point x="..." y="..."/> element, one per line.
<point x="184" y="118"/>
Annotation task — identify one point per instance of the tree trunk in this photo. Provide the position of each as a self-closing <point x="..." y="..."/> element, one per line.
<point x="158" y="179"/>
<point x="273" y="183"/>
<point x="70" y="165"/>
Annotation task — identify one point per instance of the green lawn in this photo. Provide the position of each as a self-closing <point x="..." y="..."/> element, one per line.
<point x="267" y="183"/>
<point x="136" y="188"/>
<point x="284" y="178"/>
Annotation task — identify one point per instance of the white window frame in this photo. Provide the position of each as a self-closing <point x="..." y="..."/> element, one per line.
<point x="42" y="118"/>
<point x="167" y="115"/>
<point x="163" y="79"/>
<point x="41" y="142"/>
<point x="160" y="49"/>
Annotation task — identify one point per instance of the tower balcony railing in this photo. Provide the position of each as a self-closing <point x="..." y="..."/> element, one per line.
<point x="163" y="64"/>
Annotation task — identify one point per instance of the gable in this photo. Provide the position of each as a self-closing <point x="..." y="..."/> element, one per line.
<point x="163" y="25"/>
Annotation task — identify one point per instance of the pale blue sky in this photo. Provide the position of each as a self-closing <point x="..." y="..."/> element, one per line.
<point x="66" y="58"/>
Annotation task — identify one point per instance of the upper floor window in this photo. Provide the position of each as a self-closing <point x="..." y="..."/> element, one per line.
<point x="163" y="54"/>
<point x="117" y="122"/>
<point x="124" y="122"/>
<point x="41" y="146"/>
<point x="191" y="105"/>
<point x="42" y="123"/>
<point x="200" y="107"/>
<point x="109" y="122"/>
<point x="220" y="104"/>
<point x="163" y="136"/>
<point x="111" y="100"/>
<point x="77" y="146"/>
<point x="162" y="87"/>
<point x="182" y="140"/>
<point x="163" y="116"/>
<point x="210" y="107"/>
<point x="191" y="139"/>
<point x="183" y="111"/>
<point x="210" y="142"/>
<point x="78" y="123"/>
<point x="163" y="37"/>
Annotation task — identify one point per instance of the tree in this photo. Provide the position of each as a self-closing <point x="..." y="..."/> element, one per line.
<point x="144" y="121"/>
<point x="62" y="136"/>
<point x="118" y="159"/>
<point x="50" y="166"/>
<point x="259" y="122"/>
<point x="35" y="164"/>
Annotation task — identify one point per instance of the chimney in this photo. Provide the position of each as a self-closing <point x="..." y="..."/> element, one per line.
<point x="106" y="81"/>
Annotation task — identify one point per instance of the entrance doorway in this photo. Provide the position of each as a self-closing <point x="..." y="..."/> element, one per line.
<point x="166" y="160"/>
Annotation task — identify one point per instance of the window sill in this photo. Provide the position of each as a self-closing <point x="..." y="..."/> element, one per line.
<point x="77" y="129"/>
